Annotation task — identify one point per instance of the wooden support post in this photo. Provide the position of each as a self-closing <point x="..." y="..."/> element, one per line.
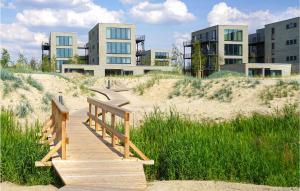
<point x="63" y="137"/>
<point x="90" y="113"/>
<point x="104" y="124"/>
<point x="96" y="120"/>
<point x="126" y="126"/>
<point x="113" y="125"/>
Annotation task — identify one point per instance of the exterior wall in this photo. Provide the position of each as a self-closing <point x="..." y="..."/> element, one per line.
<point x="222" y="43"/>
<point x="99" y="70"/>
<point x="240" y="68"/>
<point x="146" y="59"/>
<point x="98" y="40"/>
<point x="53" y="46"/>
<point x="257" y="46"/>
<point x="281" y="49"/>
<point x="284" y="68"/>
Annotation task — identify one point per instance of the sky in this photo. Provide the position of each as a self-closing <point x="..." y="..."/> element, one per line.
<point x="25" y="24"/>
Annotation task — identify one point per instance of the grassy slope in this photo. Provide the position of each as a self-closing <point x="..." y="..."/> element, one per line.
<point x="260" y="149"/>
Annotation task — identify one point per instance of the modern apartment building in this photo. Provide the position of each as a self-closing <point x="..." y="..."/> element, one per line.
<point x="156" y="57"/>
<point x="115" y="49"/>
<point x="62" y="46"/>
<point x="221" y="44"/>
<point x="278" y="43"/>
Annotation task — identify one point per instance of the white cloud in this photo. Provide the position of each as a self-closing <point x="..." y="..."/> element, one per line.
<point x="221" y="13"/>
<point x="86" y="15"/>
<point x="168" y="11"/>
<point x="17" y="38"/>
<point x="179" y="38"/>
<point x="130" y="1"/>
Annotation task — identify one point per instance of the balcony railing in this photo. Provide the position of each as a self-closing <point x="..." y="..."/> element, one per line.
<point x="140" y="38"/>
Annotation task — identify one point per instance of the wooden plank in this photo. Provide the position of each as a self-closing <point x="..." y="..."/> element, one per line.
<point x="62" y="109"/>
<point x="138" y="151"/>
<point x="113" y="126"/>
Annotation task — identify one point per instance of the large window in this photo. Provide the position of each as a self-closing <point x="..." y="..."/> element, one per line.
<point x="233" y="49"/>
<point x="118" y="33"/>
<point x="161" y="55"/>
<point x="118" y="60"/>
<point x="118" y="48"/>
<point x="233" y="61"/>
<point x="233" y="35"/>
<point x="64" y="41"/>
<point x="64" y="52"/>
<point x="59" y="63"/>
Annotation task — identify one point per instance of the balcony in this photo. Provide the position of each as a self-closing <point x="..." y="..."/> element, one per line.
<point x="45" y="46"/>
<point x="187" y="56"/>
<point x="140" y="53"/>
<point x="187" y="43"/>
<point x="140" y="38"/>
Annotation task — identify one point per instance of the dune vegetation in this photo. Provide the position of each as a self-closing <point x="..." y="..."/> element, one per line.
<point x="261" y="149"/>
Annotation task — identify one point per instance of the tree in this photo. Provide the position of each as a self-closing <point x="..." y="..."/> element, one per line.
<point x="198" y="60"/>
<point x="48" y="65"/>
<point x="33" y="64"/>
<point x="5" y="58"/>
<point x="75" y="60"/>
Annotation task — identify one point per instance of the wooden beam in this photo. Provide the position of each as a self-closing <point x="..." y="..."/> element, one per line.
<point x="103" y="125"/>
<point x="113" y="126"/>
<point x="51" y="152"/>
<point x="138" y="151"/>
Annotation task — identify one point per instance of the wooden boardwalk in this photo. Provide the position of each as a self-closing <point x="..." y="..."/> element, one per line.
<point x="86" y="159"/>
<point x="92" y="164"/>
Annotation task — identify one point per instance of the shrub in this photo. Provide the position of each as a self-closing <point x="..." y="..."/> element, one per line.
<point x="24" y="107"/>
<point x="7" y="75"/>
<point x="19" y="151"/>
<point x="260" y="149"/>
<point x="224" y="74"/>
<point x="224" y="94"/>
<point x="46" y="100"/>
<point x="7" y="89"/>
<point x="34" y="83"/>
<point x="141" y="88"/>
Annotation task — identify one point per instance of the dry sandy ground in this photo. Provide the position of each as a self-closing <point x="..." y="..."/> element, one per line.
<point x="245" y="100"/>
<point x="169" y="186"/>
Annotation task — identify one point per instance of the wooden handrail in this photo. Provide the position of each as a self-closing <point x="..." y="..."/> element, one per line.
<point x="55" y="130"/>
<point x="122" y="113"/>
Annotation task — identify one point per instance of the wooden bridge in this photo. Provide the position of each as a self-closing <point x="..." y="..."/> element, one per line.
<point x="92" y="154"/>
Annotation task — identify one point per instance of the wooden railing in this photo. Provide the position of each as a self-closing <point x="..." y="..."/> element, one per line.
<point x="54" y="133"/>
<point x="101" y="110"/>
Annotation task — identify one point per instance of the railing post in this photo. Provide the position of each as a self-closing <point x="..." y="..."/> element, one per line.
<point x="104" y="124"/>
<point x="113" y="126"/>
<point x="96" y="120"/>
<point x="90" y="113"/>
<point x="63" y="137"/>
<point x="126" y="126"/>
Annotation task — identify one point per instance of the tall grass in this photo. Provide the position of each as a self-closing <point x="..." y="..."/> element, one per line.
<point x="261" y="149"/>
<point x="34" y="83"/>
<point x="141" y="88"/>
<point x="19" y="150"/>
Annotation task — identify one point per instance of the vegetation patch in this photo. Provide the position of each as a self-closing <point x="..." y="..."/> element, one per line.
<point x="141" y="88"/>
<point x="34" y="83"/>
<point x="19" y="151"/>
<point x="24" y="107"/>
<point x="190" y="87"/>
<point x="224" y="94"/>
<point x="279" y="90"/>
<point x="224" y="74"/>
<point x="261" y="149"/>
<point x="46" y="101"/>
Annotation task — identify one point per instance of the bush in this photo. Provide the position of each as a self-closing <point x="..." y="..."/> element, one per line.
<point x="7" y="89"/>
<point x="19" y="151"/>
<point x="224" y="74"/>
<point x="7" y="75"/>
<point x="141" y="88"/>
<point x="24" y="107"/>
<point x="35" y="83"/>
<point x="46" y="100"/>
<point x="260" y="149"/>
<point x="224" y="94"/>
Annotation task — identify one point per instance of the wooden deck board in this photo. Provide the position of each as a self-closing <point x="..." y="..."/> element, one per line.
<point x="93" y="164"/>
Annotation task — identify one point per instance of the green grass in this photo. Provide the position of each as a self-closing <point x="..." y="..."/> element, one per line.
<point x="260" y="149"/>
<point x="19" y="150"/>
<point x="34" y="83"/>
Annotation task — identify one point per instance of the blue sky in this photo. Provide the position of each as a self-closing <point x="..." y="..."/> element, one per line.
<point x="26" y="23"/>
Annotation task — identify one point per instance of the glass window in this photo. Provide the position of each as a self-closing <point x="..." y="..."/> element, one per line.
<point x="233" y="49"/>
<point x="64" y="52"/>
<point x="118" y="33"/>
<point x="118" y="60"/>
<point x="118" y="48"/>
<point x="233" y="61"/>
<point x="161" y="55"/>
<point x="64" y="41"/>
<point x="233" y="35"/>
